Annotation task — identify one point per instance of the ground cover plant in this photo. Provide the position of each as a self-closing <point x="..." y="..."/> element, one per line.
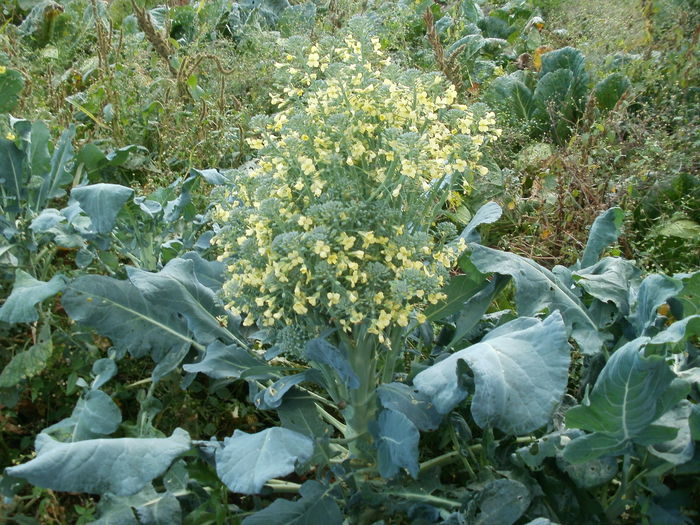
<point x="312" y="290"/>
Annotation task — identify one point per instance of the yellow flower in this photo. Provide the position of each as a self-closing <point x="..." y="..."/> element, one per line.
<point x="333" y="298"/>
<point x="3" y="70"/>
<point x="10" y="135"/>
<point x="299" y="308"/>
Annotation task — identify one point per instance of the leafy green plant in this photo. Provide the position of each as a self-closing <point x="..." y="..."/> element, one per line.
<point x="553" y="100"/>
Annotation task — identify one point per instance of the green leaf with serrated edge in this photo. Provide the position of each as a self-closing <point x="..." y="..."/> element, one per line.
<point x="122" y="466"/>
<point x="609" y="90"/>
<point x="30" y="362"/>
<point x="654" y="291"/>
<point x="520" y="371"/>
<point x="605" y="231"/>
<point x="176" y="289"/>
<point x="11" y="84"/>
<point x="222" y="362"/>
<point x="502" y="502"/>
<point x="248" y="461"/>
<point x="116" y="309"/>
<point x="59" y="174"/>
<point x="27" y="292"/>
<point x="12" y="176"/>
<point x="397" y="444"/>
<point x="609" y="279"/>
<point x="95" y="415"/>
<point x="411" y="403"/>
<point x="322" y="351"/>
<point x="315" y="506"/>
<point x="679" y="449"/>
<point x="626" y="397"/>
<point x="538" y="289"/>
<point x="102" y="203"/>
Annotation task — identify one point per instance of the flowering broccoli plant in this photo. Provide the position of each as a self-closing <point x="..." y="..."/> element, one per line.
<point x="355" y="311"/>
<point x="332" y="229"/>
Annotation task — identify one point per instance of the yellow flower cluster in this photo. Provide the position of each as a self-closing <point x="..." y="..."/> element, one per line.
<point x="331" y="224"/>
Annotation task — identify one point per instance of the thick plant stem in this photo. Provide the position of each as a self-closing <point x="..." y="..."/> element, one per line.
<point x="362" y="400"/>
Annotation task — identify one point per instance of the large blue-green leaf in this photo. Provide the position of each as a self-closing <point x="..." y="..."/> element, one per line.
<point x="417" y="407"/>
<point x="511" y="94"/>
<point x="537" y="290"/>
<point x="604" y="231"/>
<point x="12" y="177"/>
<point x="36" y="137"/>
<point x="610" y="279"/>
<point x="209" y="273"/>
<point x="625" y="401"/>
<point x="520" y="371"/>
<point x="589" y="474"/>
<point x="609" y="90"/>
<point x="59" y="174"/>
<point x="567" y="58"/>
<point x="397" y="444"/>
<point x="654" y="291"/>
<point x="176" y="289"/>
<point x="315" y="506"/>
<point x="223" y="362"/>
<point x="459" y="290"/>
<point x="248" y="461"/>
<point x="116" y="309"/>
<point x="122" y="466"/>
<point x="487" y="214"/>
<point x="29" y="362"/>
<point x="678" y="331"/>
<point x="300" y="413"/>
<point x="27" y="292"/>
<point x="47" y="219"/>
<point x="102" y="203"/>
<point x="550" y="95"/>
<point x="502" y="502"/>
<point x="476" y="306"/>
<point x="680" y="449"/>
<point x="95" y="415"/>
<point x="322" y="351"/>
<point x="272" y="396"/>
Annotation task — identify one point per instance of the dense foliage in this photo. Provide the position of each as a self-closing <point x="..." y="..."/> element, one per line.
<point x="271" y="262"/>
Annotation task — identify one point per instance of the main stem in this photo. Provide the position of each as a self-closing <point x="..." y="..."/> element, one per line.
<point x="362" y="400"/>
